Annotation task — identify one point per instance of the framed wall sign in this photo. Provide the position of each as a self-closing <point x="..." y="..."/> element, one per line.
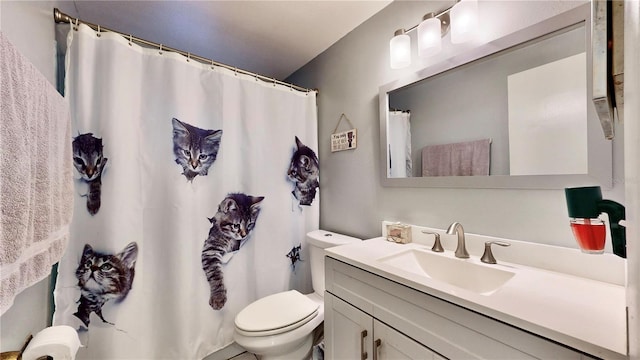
<point x="346" y="140"/>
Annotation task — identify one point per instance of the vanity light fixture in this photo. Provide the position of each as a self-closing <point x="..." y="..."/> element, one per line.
<point x="400" y="50"/>
<point x="462" y="17"/>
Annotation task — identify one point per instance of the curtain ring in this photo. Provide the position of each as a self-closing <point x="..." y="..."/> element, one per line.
<point x="130" y="40"/>
<point x="235" y="71"/>
<point x="212" y="67"/>
<point x="98" y="33"/>
<point x="160" y="51"/>
<point x="75" y="27"/>
<point x="188" y="57"/>
<point x="274" y="81"/>
<point x="290" y="87"/>
<point x="255" y="76"/>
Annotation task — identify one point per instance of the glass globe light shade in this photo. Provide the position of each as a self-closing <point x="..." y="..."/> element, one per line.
<point x="429" y="37"/>
<point x="400" y="50"/>
<point x="464" y="21"/>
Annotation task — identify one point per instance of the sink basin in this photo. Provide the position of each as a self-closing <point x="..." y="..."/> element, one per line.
<point x="479" y="278"/>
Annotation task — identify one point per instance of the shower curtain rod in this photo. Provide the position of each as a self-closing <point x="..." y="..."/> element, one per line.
<point x="60" y="17"/>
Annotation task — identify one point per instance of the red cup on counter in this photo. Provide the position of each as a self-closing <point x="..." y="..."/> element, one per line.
<point x="590" y="234"/>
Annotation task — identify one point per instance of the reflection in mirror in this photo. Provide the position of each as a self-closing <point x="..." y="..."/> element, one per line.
<point x="399" y="140"/>
<point x="525" y="100"/>
<point x="515" y="118"/>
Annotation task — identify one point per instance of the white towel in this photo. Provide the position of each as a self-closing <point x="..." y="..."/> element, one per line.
<point x="36" y="178"/>
<point x="471" y="158"/>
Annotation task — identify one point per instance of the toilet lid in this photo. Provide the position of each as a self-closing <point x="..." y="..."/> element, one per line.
<point x="280" y="311"/>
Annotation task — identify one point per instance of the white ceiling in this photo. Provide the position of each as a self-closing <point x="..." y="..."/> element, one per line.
<point x="271" y="38"/>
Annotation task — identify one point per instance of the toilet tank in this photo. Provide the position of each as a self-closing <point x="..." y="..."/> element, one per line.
<point x="318" y="240"/>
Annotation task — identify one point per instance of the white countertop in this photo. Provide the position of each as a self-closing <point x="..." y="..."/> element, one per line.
<point x="586" y="314"/>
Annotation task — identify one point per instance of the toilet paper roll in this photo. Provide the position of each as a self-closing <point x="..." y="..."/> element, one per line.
<point x="60" y="342"/>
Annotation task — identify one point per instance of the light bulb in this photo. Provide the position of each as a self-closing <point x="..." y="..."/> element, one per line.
<point x="464" y="21"/>
<point x="400" y="50"/>
<point x="429" y="36"/>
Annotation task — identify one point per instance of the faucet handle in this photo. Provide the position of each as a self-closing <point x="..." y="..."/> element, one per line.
<point x="437" y="246"/>
<point x="487" y="257"/>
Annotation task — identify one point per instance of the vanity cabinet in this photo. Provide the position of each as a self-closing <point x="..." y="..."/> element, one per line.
<point x="414" y="325"/>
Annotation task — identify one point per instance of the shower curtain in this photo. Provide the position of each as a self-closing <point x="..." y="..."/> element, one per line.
<point x="399" y="163"/>
<point x="195" y="187"/>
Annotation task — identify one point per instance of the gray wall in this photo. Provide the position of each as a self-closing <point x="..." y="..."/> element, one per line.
<point x="29" y="26"/>
<point x="348" y="76"/>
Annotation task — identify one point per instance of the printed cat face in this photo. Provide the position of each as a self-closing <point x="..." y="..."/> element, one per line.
<point x="195" y="149"/>
<point x="106" y="275"/>
<point x="304" y="164"/>
<point x="237" y="215"/>
<point x="87" y="156"/>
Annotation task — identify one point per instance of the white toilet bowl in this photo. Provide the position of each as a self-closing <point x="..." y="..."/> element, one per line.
<point x="283" y="326"/>
<point x="290" y="342"/>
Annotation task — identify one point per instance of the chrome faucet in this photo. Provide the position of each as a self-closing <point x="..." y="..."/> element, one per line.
<point x="461" y="250"/>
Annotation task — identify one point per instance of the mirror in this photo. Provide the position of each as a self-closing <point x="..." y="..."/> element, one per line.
<point x="513" y="113"/>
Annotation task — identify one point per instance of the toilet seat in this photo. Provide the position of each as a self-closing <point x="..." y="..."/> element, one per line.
<point x="276" y="314"/>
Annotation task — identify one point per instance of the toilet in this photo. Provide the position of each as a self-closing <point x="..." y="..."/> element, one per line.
<point x="283" y="325"/>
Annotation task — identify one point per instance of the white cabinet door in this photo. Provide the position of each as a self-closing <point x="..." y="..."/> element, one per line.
<point x="351" y="334"/>
<point x="393" y="345"/>
<point x="348" y="332"/>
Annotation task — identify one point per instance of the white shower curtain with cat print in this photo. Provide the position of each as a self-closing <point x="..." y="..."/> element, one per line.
<point x="195" y="187"/>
